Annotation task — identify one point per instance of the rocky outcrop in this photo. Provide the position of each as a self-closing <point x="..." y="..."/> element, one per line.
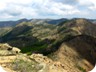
<point x="16" y="50"/>
<point x="6" y="49"/>
<point x="5" y="46"/>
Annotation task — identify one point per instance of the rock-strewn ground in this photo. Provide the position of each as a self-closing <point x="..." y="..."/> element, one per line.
<point x="12" y="62"/>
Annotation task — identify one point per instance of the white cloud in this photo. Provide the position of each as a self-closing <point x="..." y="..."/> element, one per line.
<point x="36" y="7"/>
<point x="93" y="1"/>
<point x="5" y="15"/>
<point x="57" y="8"/>
<point x="91" y="4"/>
<point x="16" y="1"/>
<point x="84" y="2"/>
<point x="2" y="6"/>
<point x="9" y="9"/>
<point x="39" y="8"/>
<point x="63" y="9"/>
<point x="93" y="7"/>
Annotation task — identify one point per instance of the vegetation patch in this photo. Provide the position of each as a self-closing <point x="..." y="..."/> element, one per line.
<point x="53" y="56"/>
<point x="20" y="65"/>
<point x="82" y="69"/>
<point x="38" y="46"/>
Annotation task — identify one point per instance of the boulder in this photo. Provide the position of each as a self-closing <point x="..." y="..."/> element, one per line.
<point x="5" y="46"/>
<point x="16" y="50"/>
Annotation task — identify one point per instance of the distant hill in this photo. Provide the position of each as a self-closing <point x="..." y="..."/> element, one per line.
<point x="78" y="27"/>
<point x="11" y="23"/>
<point x="49" y="21"/>
<point x="93" y="21"/>
<point x="35" y="21"/>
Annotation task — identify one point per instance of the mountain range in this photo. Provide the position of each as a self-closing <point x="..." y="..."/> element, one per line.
<point x="70" y="41"/>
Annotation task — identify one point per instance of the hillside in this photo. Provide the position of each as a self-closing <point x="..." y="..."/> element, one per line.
<point x="78" y="52"/>
<point x="78" y="27"/>
<point x="72" y="42"/>
<point x="5" y="30"/>
<point x="11" y="60"/>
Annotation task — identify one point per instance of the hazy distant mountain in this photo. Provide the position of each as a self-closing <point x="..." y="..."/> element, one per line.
<point x="93" y="21"/>
<point x="57" y="21"/>
<point x="49" y="21"/>
<point x="35" y="21"/>
<point x="11" y="23"/>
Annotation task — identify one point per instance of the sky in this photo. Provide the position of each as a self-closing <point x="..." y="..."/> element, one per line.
<point x="50" y="9"/>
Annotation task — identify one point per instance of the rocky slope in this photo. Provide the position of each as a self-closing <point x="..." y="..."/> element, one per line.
<point x="16" y="62"/>
<point x="78" y="52"/>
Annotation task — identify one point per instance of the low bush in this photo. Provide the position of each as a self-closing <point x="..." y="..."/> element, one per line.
<point x="20" y="65"/>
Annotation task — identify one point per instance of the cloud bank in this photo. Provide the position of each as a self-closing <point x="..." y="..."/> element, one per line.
<point x="17" y="9"/>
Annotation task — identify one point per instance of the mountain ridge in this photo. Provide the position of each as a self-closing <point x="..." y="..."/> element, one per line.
<point x="57" y="40"/>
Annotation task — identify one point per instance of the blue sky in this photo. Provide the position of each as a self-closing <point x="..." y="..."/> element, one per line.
<point x="18" y="9"/>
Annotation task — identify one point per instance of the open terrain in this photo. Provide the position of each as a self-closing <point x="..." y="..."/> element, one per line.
<point x="63" y="44"/>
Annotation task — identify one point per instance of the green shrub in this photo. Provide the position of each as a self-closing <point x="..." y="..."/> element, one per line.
<point x="53" y="56"/>
<point x="82" y="69"/>
<point x="20" y="65"/>
<point x="33" y="48"/>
